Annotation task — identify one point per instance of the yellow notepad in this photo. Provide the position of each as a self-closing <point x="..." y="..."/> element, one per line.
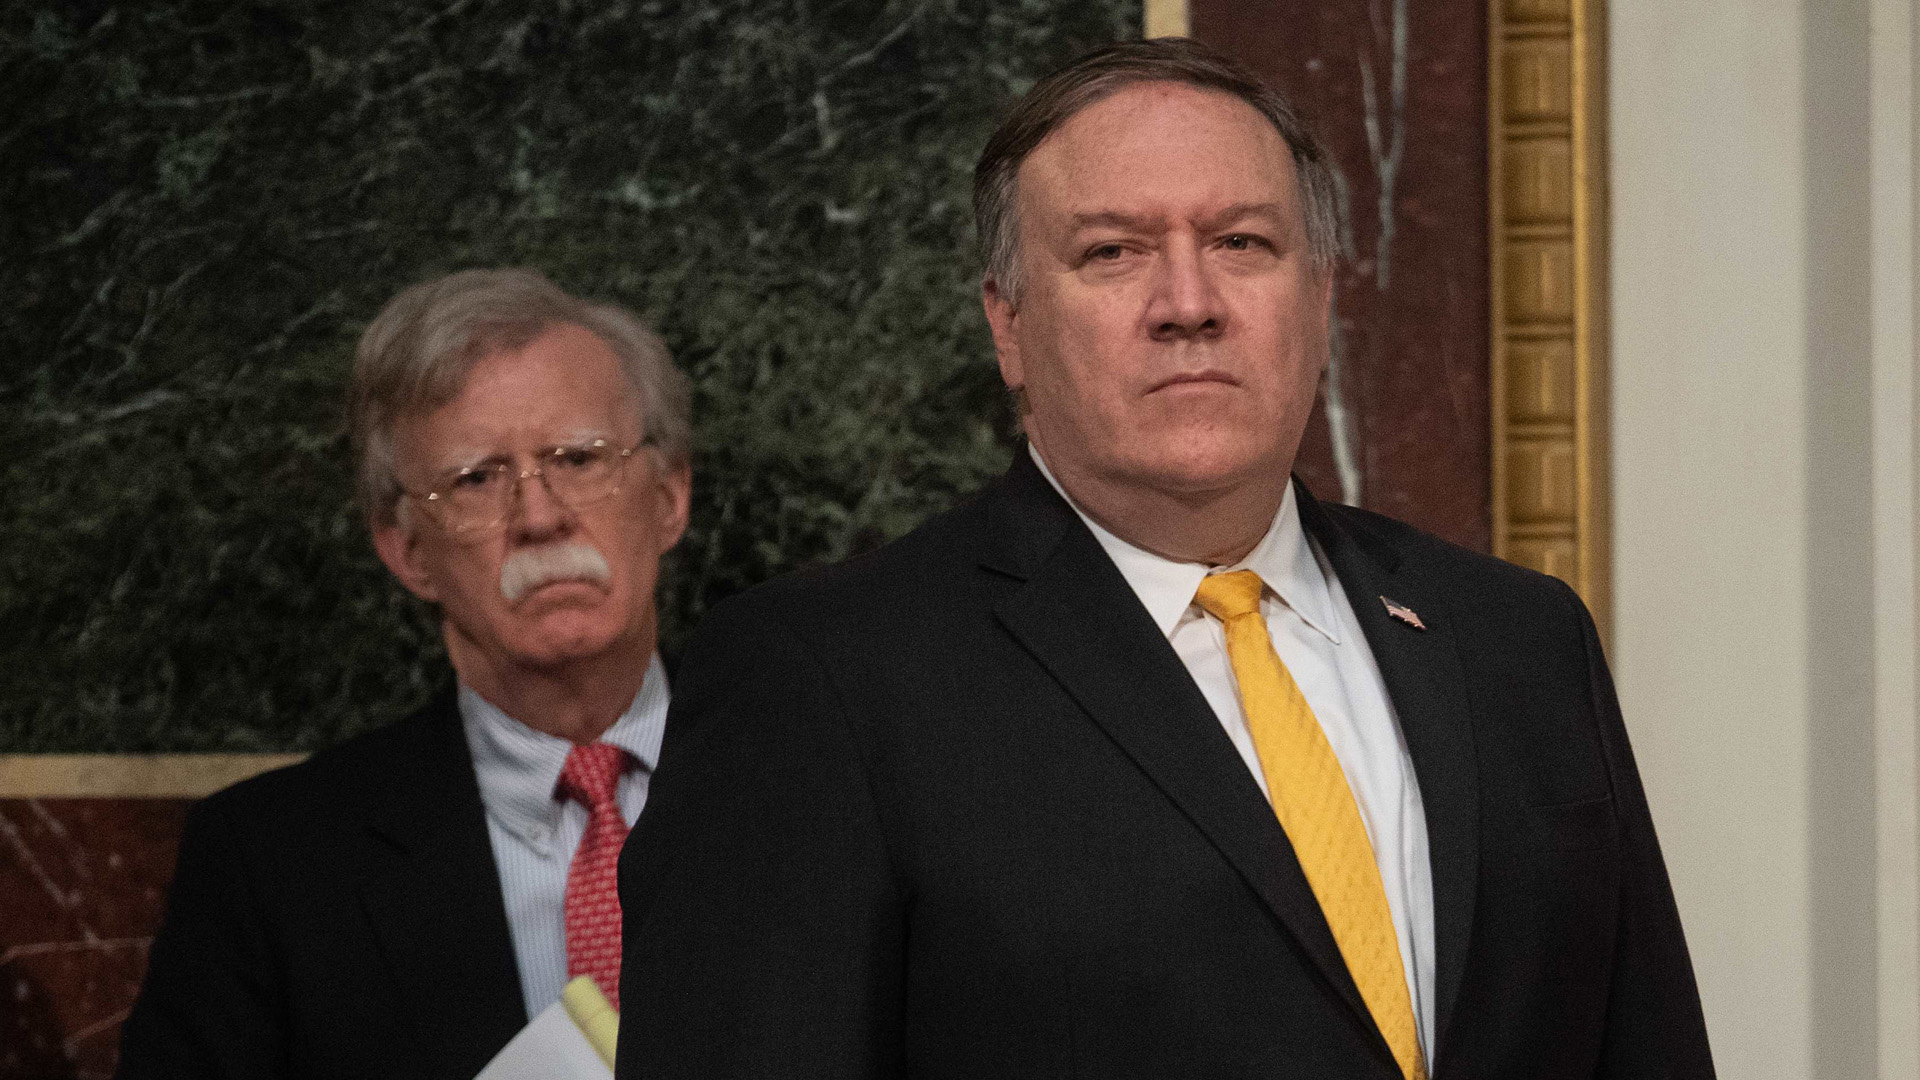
<point x="594" y="1015"/>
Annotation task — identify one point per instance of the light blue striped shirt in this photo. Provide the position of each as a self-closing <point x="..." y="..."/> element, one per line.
<point x="535" y="833"/>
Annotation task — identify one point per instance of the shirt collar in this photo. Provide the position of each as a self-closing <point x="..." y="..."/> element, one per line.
<point x="1284" y="559"/>
<point x="518" y="767"/>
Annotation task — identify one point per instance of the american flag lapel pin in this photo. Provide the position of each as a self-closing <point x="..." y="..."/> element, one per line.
<point x="1404" y="614"/>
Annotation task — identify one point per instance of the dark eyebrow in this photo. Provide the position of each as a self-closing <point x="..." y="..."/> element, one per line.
<point x="1243" y="211"/>
<point x="1113" y="219"/>
<point x="1236" y="212"/>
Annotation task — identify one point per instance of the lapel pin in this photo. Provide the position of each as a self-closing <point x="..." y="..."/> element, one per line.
<point x="1404" y="614"/>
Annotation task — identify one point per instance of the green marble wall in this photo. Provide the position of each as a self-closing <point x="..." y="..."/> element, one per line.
<point x="202" y="203"/>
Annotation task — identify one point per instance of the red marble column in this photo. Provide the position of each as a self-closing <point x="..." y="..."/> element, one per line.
<point x="82" y="883"/>
<point x="1398" y="92"/>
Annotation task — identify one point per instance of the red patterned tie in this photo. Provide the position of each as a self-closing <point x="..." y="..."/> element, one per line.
<point x="590" y="777"/>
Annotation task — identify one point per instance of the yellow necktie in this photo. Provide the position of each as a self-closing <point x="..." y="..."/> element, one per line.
<point x="1316" y="808"/>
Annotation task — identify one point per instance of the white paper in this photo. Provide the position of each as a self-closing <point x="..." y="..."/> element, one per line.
<point x="549" y="1048"/>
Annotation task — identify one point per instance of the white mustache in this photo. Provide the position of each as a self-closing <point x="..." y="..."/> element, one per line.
<point x="531" y="568"/>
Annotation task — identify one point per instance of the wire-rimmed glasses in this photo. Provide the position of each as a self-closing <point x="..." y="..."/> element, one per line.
<point x="474" y="500"/>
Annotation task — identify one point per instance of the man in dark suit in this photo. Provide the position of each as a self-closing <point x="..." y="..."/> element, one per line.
<point x="1145" y="764"/>
<point x="401" y="904"/>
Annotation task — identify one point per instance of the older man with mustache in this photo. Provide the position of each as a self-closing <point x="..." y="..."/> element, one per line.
<point x="401" y="904"/>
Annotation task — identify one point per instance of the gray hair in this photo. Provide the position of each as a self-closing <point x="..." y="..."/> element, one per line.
<point x="416" y="355"/>
<point x="1099" y="74"/>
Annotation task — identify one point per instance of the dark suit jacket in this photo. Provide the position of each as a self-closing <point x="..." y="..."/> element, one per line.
<point x="956" y="809"/>
<point x="339" y="918"/>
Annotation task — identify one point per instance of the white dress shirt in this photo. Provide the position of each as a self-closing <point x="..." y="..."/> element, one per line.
<point x="1319" y="639"/>
<point x="535" y="832"/>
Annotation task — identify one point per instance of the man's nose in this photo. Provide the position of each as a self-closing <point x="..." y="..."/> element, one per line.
<point x="1186" y="299"/>
<point x="536" y="511"/>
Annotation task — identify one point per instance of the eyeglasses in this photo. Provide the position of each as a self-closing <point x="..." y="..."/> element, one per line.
<point x="480" y="498"/>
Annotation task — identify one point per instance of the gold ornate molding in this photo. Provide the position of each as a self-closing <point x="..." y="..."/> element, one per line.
<point x="1164" y="18"/>
<point x="128" y="776"/>
<point x="1546" y="97"/>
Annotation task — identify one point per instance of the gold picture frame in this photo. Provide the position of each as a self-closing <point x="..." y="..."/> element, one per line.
<point x="1546" y="141"/>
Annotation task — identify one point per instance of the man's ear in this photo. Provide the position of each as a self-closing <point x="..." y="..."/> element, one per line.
<point x="672" y="502"/>
<point x="399" y="548"/>
<point x="1001" y="319"/>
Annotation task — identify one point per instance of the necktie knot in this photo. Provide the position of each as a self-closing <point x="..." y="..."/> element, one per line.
<point x="592" y="773"/>
<point x="1229" y="596"/>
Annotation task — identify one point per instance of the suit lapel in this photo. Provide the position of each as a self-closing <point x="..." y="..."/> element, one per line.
<point x="1082" y="622"/>
<point x="1425" y="679"/>
<point x="433" y="895"/>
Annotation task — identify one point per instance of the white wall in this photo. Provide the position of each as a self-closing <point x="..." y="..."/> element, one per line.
<point x="1763" y="464"/>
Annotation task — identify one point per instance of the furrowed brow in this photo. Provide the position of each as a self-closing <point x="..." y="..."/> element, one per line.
<point x="582" y="437"/>
<point x="1113" y="219"/>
